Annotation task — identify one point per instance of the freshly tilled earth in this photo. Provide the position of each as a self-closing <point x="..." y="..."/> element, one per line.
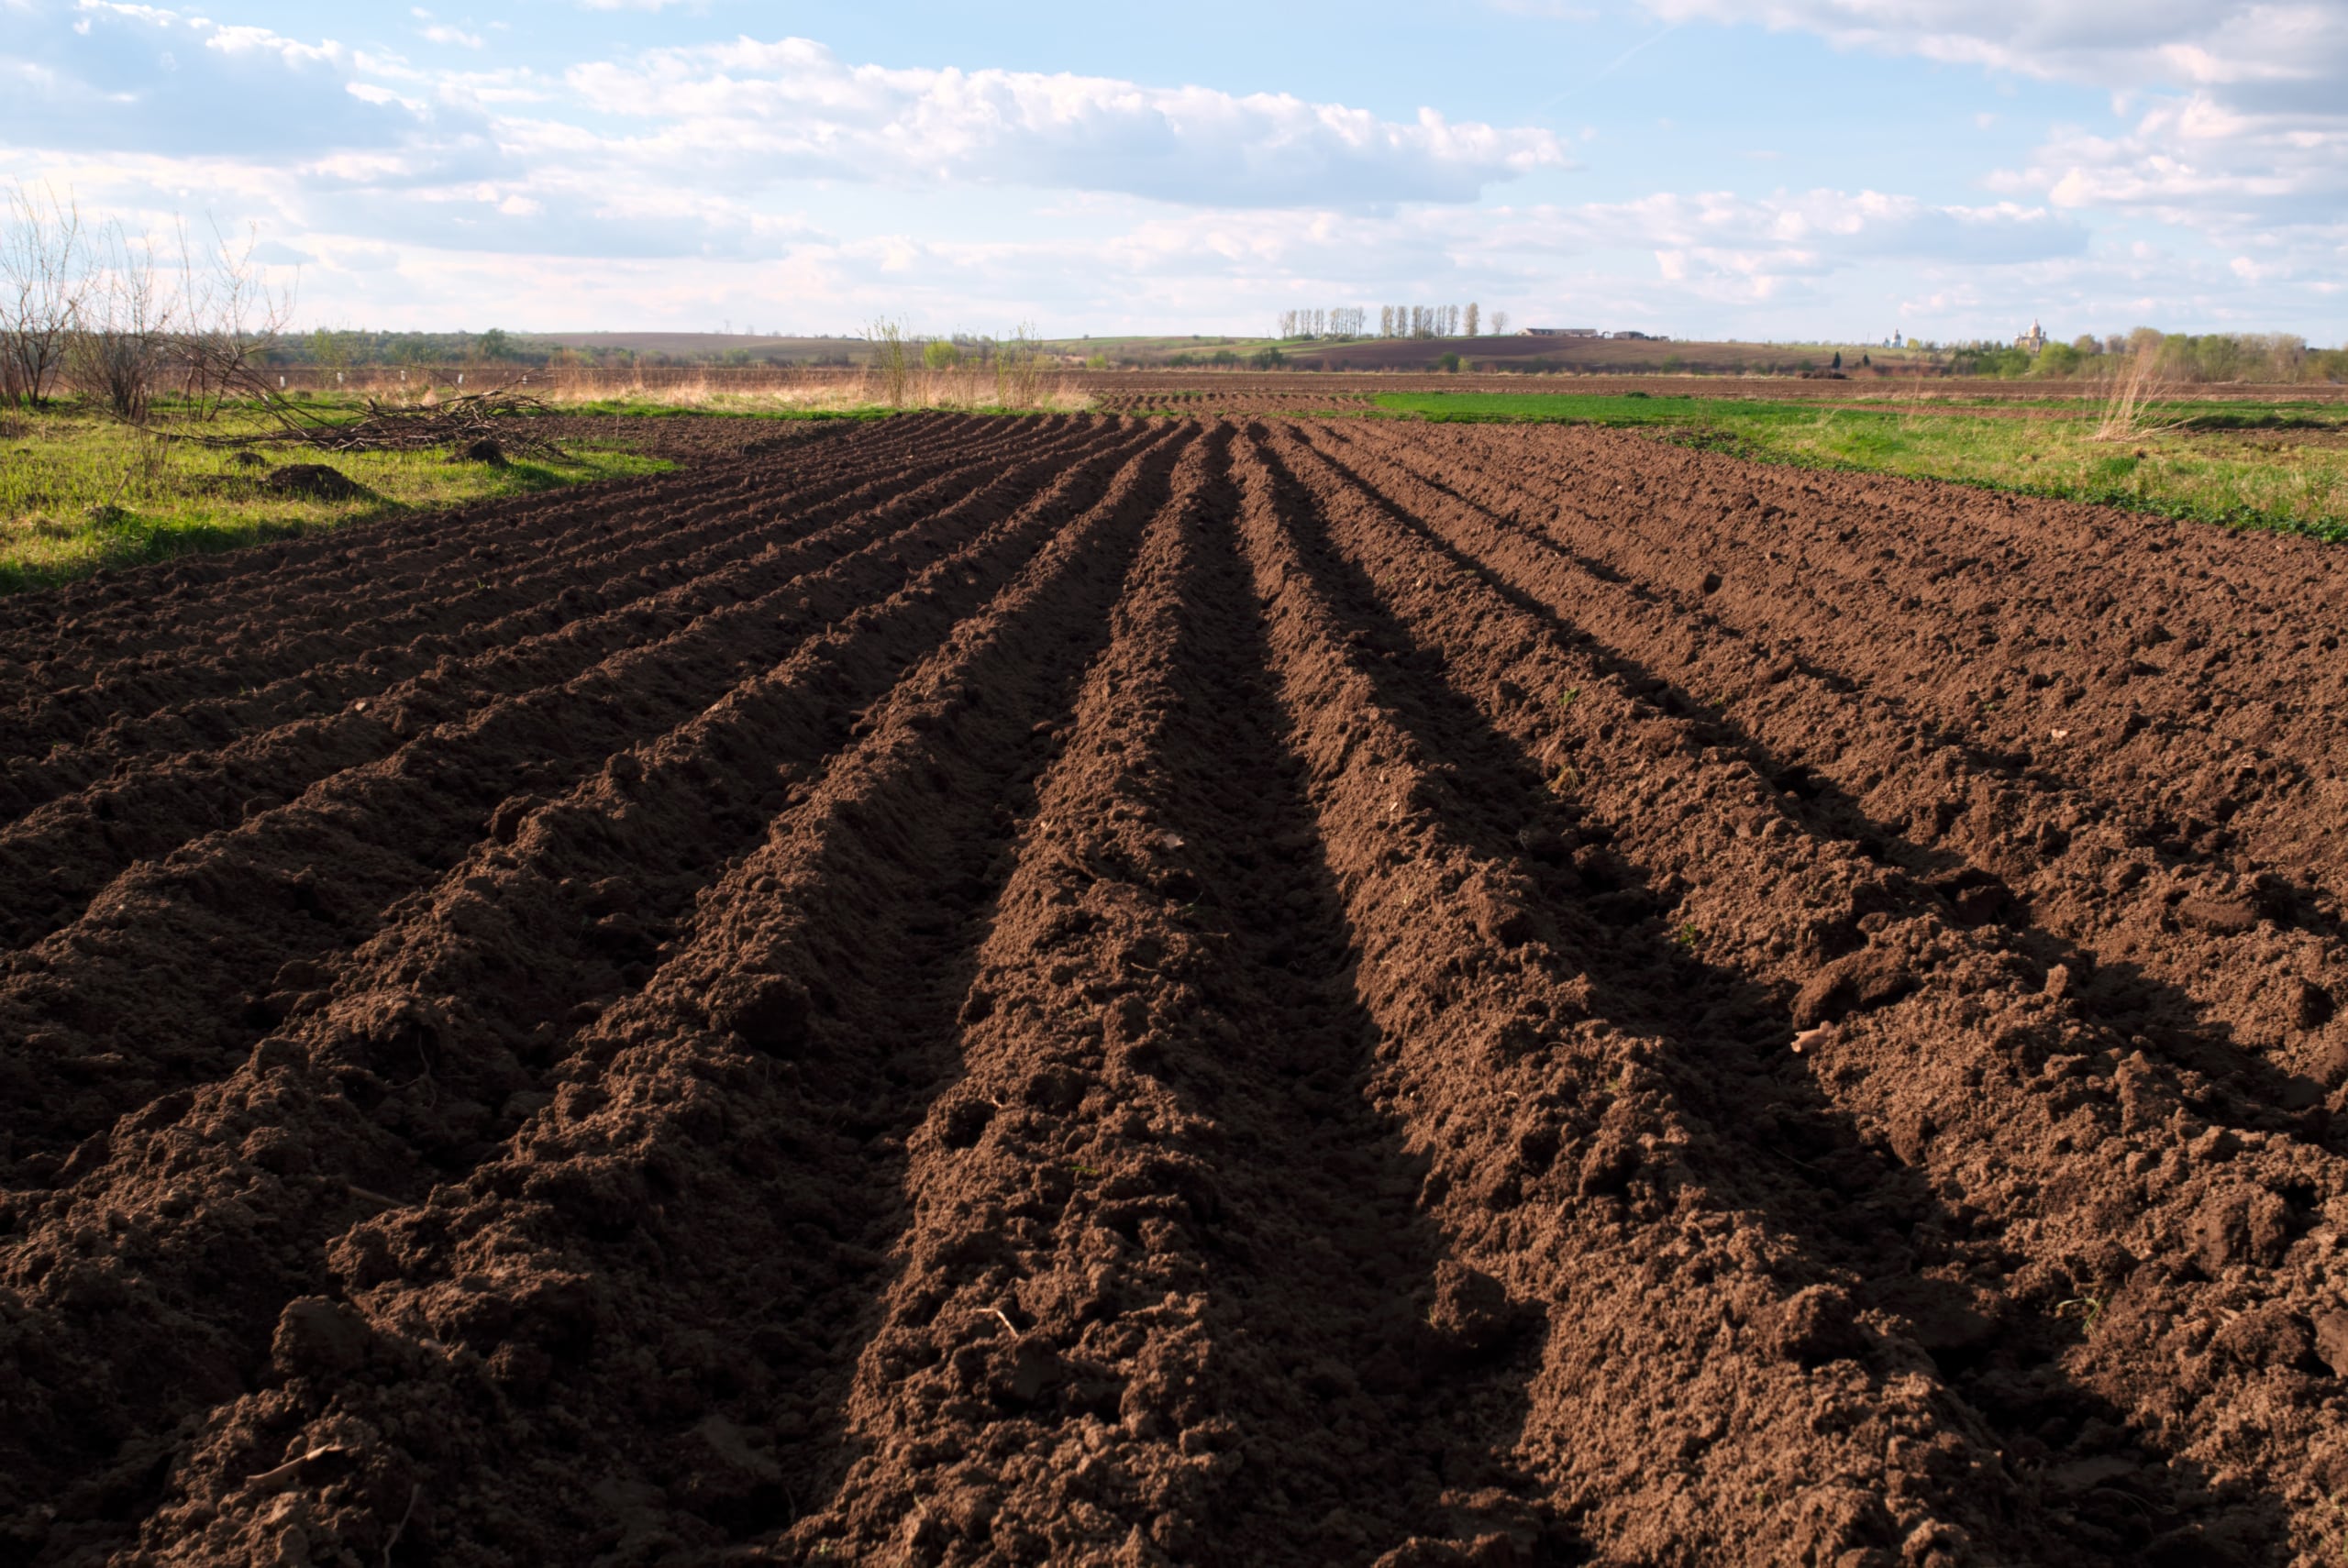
<point x="1231" y="991"/>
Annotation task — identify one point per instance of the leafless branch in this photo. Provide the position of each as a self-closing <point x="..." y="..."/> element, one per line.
<point x="43" y="275"/>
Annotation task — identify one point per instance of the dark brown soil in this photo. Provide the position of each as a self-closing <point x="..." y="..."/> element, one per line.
<point x="1083" y="991"/>
<point x="1204" y="391"/>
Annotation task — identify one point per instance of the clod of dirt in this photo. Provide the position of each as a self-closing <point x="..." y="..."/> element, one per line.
<point x="962" y="1123"/>
<point x="1812" y="1326"/>
<point x="768" y="1011"/>
<point x="2311" y="1005"/>
<point x="2226" y="917"/>
<point x="1610" y="1162"/>
<point x="314" y="481"/>
<point x="1499" y="917"/>
<point x="1471" y="1314"/>
<point x="2272" y="1337"/>
<point x="1979" y="897"/>
<point x="1865" y="980"/>
<point x="505" y="823"/>
<point x="317" y="1338"/>
<point x="1035" y="1368"/>
<point x="485" y="451"/>
<point x="2332" y="1342"/>
<point x="2240" y="1225"/>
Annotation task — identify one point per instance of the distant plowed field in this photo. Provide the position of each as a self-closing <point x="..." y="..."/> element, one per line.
<point x="1084" y="990"/>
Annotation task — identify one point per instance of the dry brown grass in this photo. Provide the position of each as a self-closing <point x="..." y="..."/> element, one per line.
<point x="2128" y="403"/>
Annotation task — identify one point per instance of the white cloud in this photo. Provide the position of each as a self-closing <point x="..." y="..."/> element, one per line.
<point x="2239" y="107"/>
<point x="2290" y="53"/>
<point x="441" y="33"/>
<point x="2195" y="162"/>
<point x="793" y="105"/>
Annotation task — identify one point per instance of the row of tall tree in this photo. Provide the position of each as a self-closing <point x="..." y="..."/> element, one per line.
<point x="1340" y="320"/>
<point x="115" y="315"/>
<point x="1393" y="321"/>
<point x="1438" y="321"/>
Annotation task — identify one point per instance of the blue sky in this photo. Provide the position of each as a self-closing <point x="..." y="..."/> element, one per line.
<point x="1788" y="168"/>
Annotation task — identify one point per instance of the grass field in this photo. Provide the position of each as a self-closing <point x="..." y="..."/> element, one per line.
<point x="79" y="493"/>
<point x="2281" y="466"/>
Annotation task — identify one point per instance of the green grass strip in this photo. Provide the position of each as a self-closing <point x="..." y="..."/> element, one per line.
<point x="2198" y="465"/>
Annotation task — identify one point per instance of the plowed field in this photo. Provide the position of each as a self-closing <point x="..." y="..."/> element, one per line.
<point x="1160" y="991"/>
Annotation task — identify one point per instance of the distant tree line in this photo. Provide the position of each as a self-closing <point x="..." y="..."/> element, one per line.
<point x="1393" y="321"/>
<point x="1340" y="322"/>
<point x="1264" y="358"/>
<point x="1431" y="321"/>
<point x="2177" y="357"/>
<point x="117" y="317"/>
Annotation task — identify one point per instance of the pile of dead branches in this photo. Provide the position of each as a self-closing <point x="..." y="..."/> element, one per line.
<point x="500" y="415"/>
<point x="492" y="425"/>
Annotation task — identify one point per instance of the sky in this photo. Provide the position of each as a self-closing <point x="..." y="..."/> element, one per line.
<point x="1794" y="170"/>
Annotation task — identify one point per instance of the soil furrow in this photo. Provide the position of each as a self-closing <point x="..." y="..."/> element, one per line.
<point x="2231" y="956"/>
<point x="53" y="863"/>
<point x="84" y="722"/>
<point x="1165" y="1284"/>
<point x="2181" y="667"/>
<point x="1577" y="1081"/>
<point x="976" y="991"/>
<point x="711" y="1187"/>
<point x="2077" y="1167"/>
<point x="169" y="971"/>
<point x="195" y="594"/>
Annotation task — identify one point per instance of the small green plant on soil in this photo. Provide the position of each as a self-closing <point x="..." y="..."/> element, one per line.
<point x="1566" y="700"/>
<point x="2084" y="1310"/>
<point x="2190" y="460"/>
<point x="1687" y="936"/>
<point x="79" y="493"/>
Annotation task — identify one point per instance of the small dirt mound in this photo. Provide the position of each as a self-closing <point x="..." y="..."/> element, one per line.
<point x="315" y="481"/>
<point x="246" y="460"/>
<point x="485" y="451"/>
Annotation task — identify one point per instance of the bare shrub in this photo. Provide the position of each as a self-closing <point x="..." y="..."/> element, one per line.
<point x="43" y="273"/>
<point x="1019" y="368"/>
<point x="122" y="333"/>
<point x="891" y="361"/>
<point x="231" y="315"/>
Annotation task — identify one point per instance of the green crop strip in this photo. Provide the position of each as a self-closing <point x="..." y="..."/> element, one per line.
<point x="2280" y="467"/>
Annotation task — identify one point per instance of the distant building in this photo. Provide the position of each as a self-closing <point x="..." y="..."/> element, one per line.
<point x="1561" y="332"/>
<point x="2033" y="340"/>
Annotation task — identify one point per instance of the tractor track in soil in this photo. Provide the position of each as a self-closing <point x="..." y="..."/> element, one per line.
<point x="1161" y="991"/>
